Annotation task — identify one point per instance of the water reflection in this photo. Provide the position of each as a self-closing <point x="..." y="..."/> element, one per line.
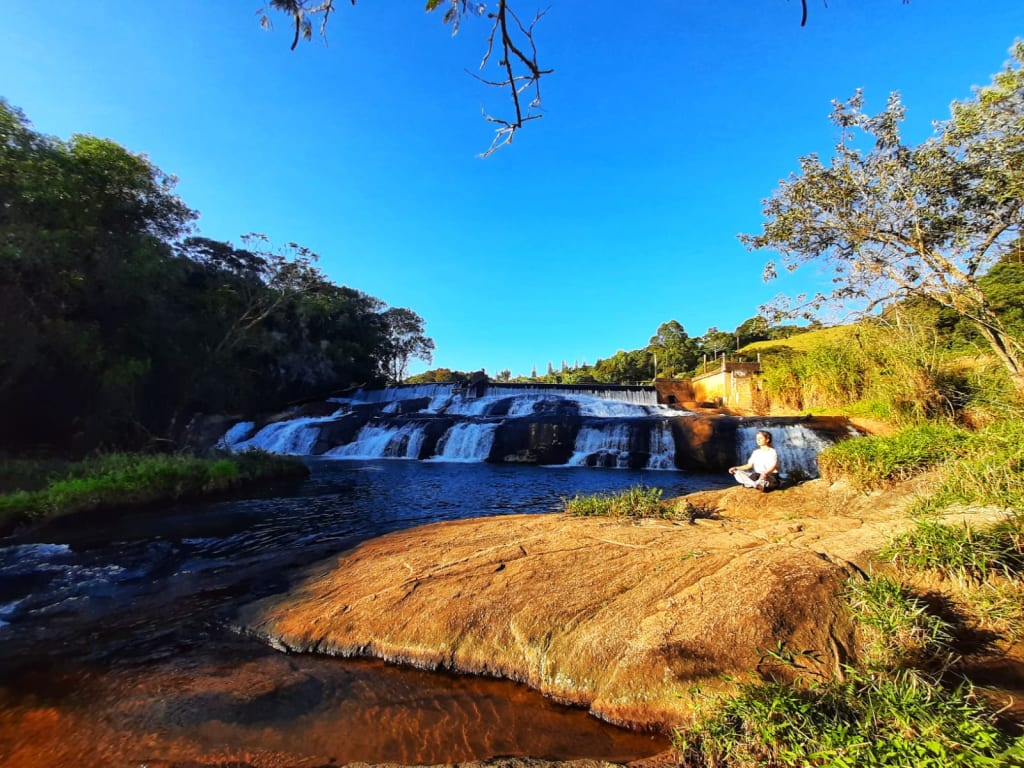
<point x="115" y="648"/>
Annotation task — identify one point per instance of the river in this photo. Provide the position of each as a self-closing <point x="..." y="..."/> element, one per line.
<point x="117" y="644"/>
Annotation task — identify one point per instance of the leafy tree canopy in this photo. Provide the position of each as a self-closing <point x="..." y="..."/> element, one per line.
<point x="116" y="325"/>
<point x="893" y="220"/>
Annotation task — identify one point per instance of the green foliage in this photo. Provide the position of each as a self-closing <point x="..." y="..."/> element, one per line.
<point x="405" y="342"/>
<point x="895" y="367"/>
<point x="637" y="502"/>
<point x="929" y="221"/>
<point x="989" y="469"/>
<point x="676" y="352"/>
<point x="898" y="629"/>
<point x="440" y="376"/>
<point x="871" y="462"/>
<point x="119" y="479"/>
<point x="961" y="552"/>
<point x="29" y="474"/>
<point x="115" y="327"/>
<point x="900" y="720"/>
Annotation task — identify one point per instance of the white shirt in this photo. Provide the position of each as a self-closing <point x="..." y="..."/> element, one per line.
<point x="764" y="459"/>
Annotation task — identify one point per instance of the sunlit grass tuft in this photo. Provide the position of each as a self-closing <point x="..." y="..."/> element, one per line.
<point x="637" y="501"/>
<point x="897" y="628"/>
<point x="901" y="720"/>
<point x="872" y="462"/>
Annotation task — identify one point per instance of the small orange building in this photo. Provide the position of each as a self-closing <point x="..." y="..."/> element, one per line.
<point x="730" y="383"/>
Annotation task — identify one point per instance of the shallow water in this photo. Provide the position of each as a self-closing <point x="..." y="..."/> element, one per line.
<point x="116" y="647"/>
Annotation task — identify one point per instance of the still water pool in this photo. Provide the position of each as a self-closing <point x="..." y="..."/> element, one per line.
<point x="116" y="646"/>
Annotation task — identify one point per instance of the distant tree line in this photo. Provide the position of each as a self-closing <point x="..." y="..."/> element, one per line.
<point x="670" y="353"/>
<point x="676" y="354"/>
<point x="117" y="324"/>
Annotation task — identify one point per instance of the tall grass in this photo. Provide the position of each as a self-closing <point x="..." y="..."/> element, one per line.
<point x="904" y="720"/>
<point x="119" y="479"/>
<point x="989" y="469"/>
<point x="963" y="553"/>
<point x="892" y="370"/>
<point x="873" y="462"/>
<point x="822" y="377"/>
<point x="897" y="629"/>
<point x="637" y="501"/>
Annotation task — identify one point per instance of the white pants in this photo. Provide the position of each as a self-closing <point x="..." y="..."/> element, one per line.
<point x="755" y="480"/>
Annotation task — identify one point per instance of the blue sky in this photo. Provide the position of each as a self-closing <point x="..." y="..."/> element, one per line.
<point x="665" y="124"/>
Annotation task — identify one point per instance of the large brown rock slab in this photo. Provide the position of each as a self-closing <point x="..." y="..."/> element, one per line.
<point x="623" y="618"/>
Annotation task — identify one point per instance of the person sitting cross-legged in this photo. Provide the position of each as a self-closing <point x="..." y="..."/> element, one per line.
<point x="762" y="469"/>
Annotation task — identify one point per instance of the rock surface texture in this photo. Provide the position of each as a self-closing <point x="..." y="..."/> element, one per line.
<point x="622" y="617"/>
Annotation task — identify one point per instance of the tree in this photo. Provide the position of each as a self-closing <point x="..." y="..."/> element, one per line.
<point x="517" y="70"/>
<point x="84" y="231"/>
<point x="714" y="342"/>
<point x="676" y="351"/>
<point x="751" y="330"/>
<point x="894" y="221"/>
<point x="405" y="342"/>
<point x="114" y="330"/>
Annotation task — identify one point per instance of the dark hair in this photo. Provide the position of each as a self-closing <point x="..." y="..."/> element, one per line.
<point x="767" y="436"/>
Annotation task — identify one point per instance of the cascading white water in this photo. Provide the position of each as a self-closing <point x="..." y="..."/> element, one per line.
<point x="466" y="442"/>
<point x="236" y="434"/>
<point x="602" y="444"/>
<point x="663" y="447"/>
<point x="798" y="447"/>
<point x="596" y="442"/>
<point x="616" y="409"/>
<point x="634" y="395"/>
<point x="380" y="442"/>
<point x="439" y="396"/>
<point x="402" y="392"/>
<point x="511" y="422"/>
<point x="295" y="437"/>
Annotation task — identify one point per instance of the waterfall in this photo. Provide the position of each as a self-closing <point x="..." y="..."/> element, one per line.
<point x="536" y="424"/>
<point x="663" y="447"/>
<point x="798" y="447"/>
<point x="638" y="395"/>
<point x="439" y="396"/>
<point x="236" y="434"/>
<point x="376" y="441"/>
<point x="621" y="443"/>
<point x="402" y="392"/>
<point x="602" y="445"/>
<point x="295" y="437"/>
<point x="467" y="442"/>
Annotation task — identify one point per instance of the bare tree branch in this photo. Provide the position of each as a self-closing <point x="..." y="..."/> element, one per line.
<point x="518" y="62"/>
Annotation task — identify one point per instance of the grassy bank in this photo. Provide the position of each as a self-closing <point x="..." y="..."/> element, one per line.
<point x="942" y="600"/>
<point x="901" y="372"/>
<point x="907" y="700"/>
<point x="38" y="490"/>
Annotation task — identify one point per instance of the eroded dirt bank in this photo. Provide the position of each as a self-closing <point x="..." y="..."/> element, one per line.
<point x="622" y="617"/>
